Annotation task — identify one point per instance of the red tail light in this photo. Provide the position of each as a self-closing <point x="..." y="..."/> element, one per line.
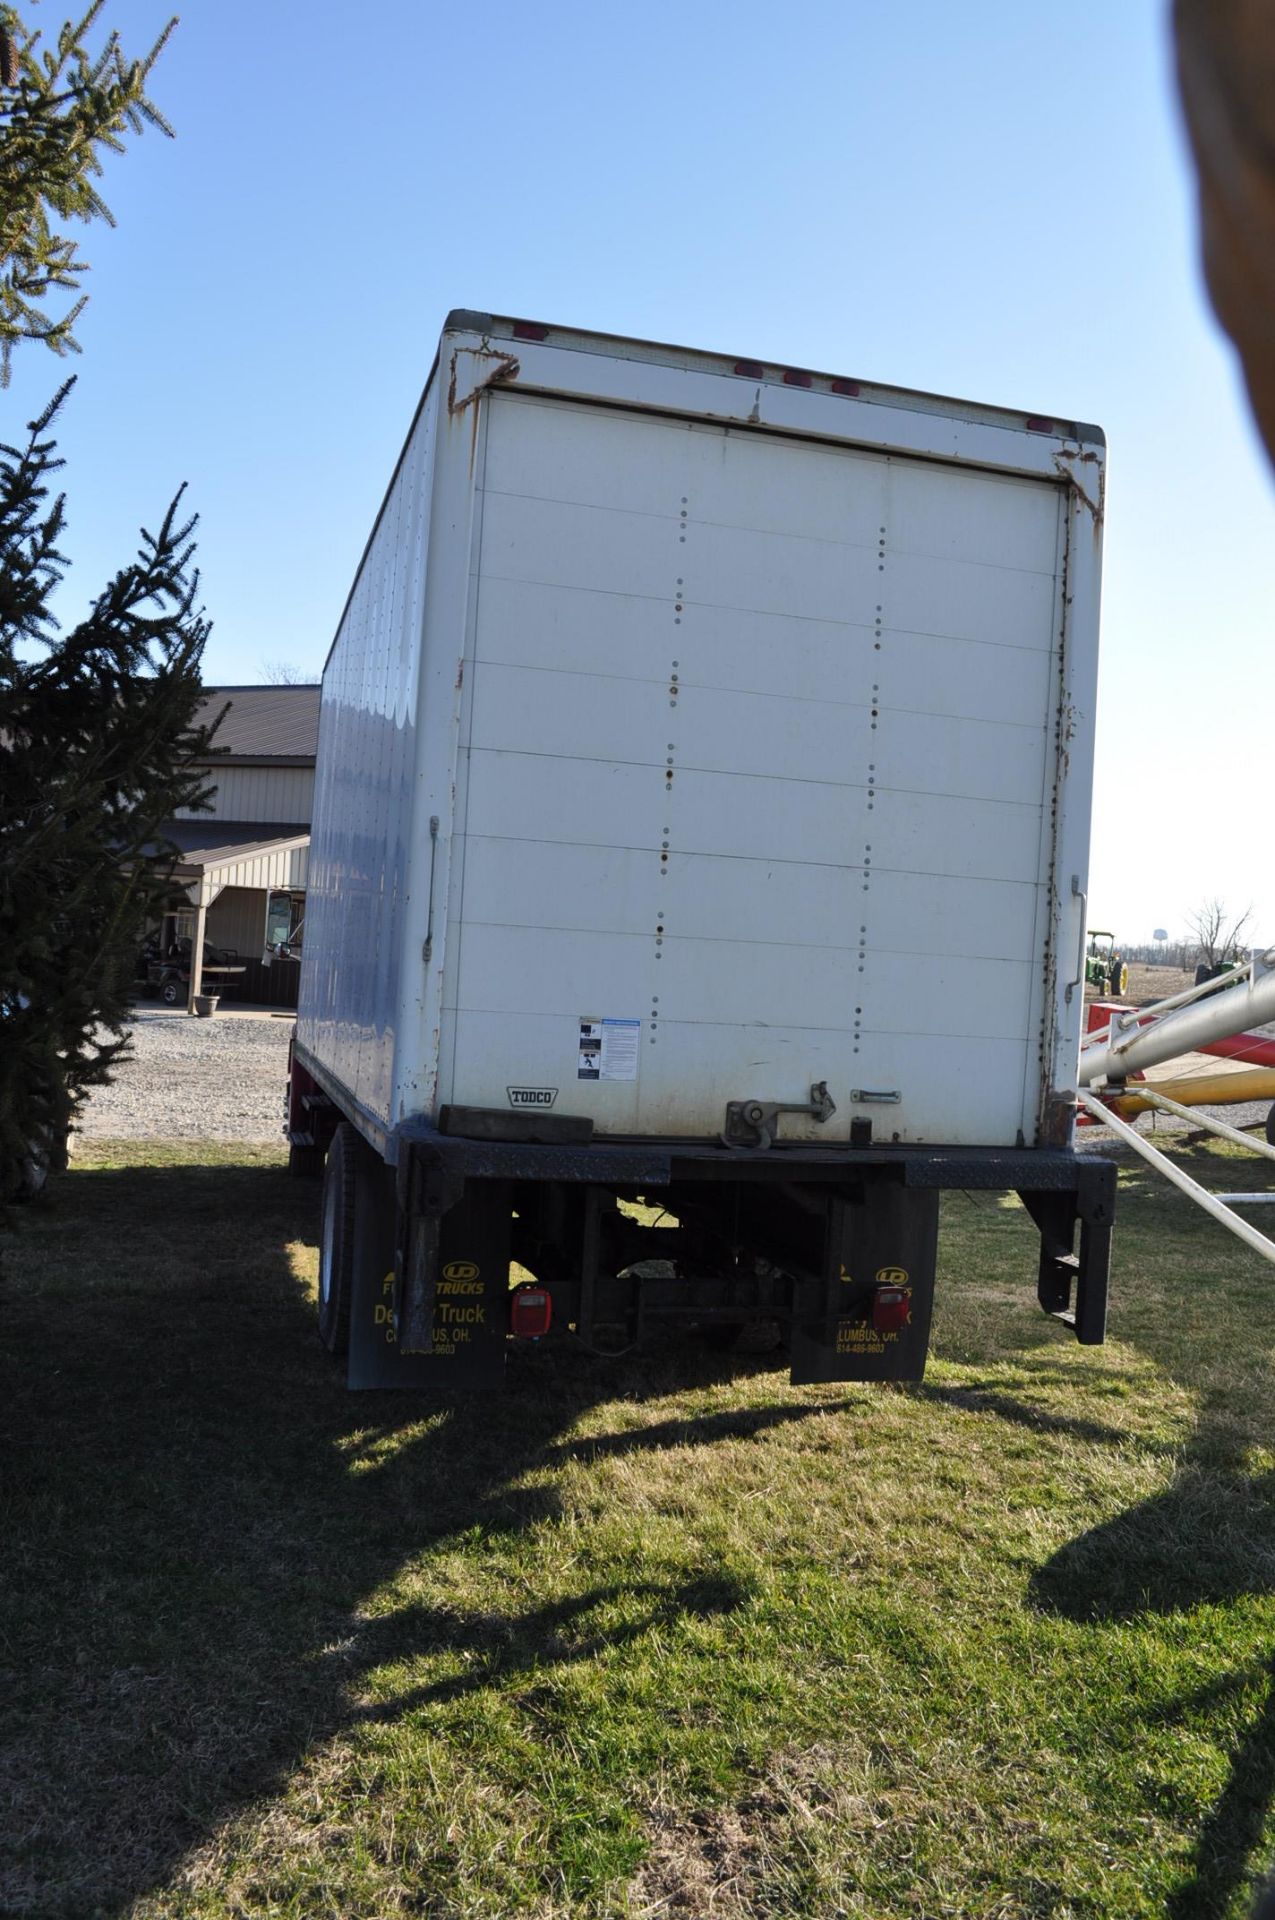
<point x="891" y="1308"/>
<point x="530" y="1312"/>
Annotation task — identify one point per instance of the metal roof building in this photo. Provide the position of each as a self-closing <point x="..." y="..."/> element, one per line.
<point x="246" y="856"/>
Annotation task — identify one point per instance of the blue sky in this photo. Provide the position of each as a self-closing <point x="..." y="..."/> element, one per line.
<point x="989" y="200"/>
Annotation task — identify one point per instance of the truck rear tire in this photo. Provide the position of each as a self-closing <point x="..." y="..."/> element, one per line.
<point x="337" y="1237"/>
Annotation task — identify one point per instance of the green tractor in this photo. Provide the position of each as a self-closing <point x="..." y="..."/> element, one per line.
<point x="1105" y="971"/>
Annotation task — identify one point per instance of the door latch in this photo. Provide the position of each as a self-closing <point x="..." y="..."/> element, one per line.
<point x="753" y="1123"/>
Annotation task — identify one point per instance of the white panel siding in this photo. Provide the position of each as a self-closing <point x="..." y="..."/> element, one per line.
<point x="593" y="889"/>
<point x="760" y="755"/>
<point x="770" y="656"/>
<point x="520" y="710"/>
<point x="269" y="795"/>
<point x="287" y="870"/>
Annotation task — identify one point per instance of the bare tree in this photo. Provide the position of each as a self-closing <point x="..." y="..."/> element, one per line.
<point x="1216" y="935"/>
<point x="282" y="673"/>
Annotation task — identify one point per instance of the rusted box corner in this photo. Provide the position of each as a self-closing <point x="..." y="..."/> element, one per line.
<point x="1057" y="1120"/>
<point x="473" y="370"/>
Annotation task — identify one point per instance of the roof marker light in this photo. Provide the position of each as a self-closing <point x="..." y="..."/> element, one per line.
<point x="1037" y="423"/>
<point x="529" y="330"/>
<point x="846" y="386"/>
<point x="751" y="369"/>
<point x="794" y="379"/>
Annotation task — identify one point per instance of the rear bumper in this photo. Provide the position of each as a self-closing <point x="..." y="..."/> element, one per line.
<point x="802" y="1235"/>
<point x="664" y="1162"/>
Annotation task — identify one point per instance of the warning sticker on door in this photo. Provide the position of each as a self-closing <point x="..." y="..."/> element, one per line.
<point x="609" y="1049"/>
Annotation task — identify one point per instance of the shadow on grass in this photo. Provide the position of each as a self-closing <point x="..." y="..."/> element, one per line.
<point x="510" y="1646"/>
<point x="198" y="1513"/>
<point x="732" y="1423"/>
<point x="1208" y="1540"/>
<point x="1233" y="1830"/>
<point x="996" y="1401"/>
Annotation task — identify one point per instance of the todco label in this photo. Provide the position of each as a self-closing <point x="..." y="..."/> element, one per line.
<point x="537" y="1098"/>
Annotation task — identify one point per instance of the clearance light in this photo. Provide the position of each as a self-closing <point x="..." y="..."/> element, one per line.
<point x="794" y="379"/>
<point x="530" y="1312"/>
<point x="846" y="386"/>
<point x="891" y="1308"/>
<point x="753" y="368"/>
<point x="529" y="330"/>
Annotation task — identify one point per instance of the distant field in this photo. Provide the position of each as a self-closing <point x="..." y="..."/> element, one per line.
<point x="1158" y="983"/>
<point x="665" y="1637"/>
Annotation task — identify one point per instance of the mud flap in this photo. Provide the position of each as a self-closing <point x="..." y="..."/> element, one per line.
<point x="886" y="1240"/>
<point x="376" y="1359"/>
<point x="463" y="1258"/>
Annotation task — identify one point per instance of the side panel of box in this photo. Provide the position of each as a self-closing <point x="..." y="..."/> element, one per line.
<point x="364" y="863"/>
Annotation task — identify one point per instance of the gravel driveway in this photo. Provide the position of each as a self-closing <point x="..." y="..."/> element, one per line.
<point x="188" y="1079"/>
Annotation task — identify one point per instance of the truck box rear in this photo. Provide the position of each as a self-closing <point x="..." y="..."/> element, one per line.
<point x="701" y="734"/>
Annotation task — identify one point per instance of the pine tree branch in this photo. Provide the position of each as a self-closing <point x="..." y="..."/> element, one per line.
<point x="60" y="112"/>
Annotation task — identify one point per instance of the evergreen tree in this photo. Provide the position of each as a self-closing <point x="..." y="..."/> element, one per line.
<point x="59" y="111"/>
<point x="98" y="734"/>
<point x="97" y="748"/>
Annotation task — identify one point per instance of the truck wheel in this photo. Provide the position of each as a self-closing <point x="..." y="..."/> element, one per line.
<point x="336" y="1238"/>
<point x="170" y="991"/>
<point x="1270" y="1127"/>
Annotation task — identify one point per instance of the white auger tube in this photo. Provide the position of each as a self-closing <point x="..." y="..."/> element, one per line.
<point x="1142" y="1039"/>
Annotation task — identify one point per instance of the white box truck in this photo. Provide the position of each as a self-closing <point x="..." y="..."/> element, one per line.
<point x="702" y="820"/>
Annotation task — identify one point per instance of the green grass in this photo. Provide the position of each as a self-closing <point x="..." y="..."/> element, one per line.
<point x="666" y="1636"/>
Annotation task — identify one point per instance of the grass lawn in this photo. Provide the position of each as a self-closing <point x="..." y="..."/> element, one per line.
<point x="656" y="1637"/>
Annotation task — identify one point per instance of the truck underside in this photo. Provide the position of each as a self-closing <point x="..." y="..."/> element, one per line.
<point x="833" y="1247"/>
